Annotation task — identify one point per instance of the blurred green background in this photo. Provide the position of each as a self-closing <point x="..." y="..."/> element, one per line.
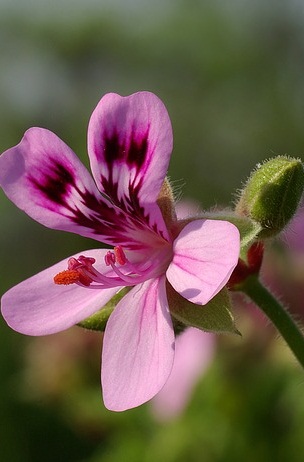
<point x="231" y="77"/>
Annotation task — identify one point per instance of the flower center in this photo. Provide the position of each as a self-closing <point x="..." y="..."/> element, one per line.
<point x="81" y="271"/>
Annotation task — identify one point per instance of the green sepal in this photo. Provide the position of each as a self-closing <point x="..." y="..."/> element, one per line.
<point x="215" y="316"/>
<point x="272" y="194"/>
<point x="98" y="320"/>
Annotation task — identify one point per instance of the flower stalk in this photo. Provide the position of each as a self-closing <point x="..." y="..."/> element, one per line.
<point x="278" y="315"/>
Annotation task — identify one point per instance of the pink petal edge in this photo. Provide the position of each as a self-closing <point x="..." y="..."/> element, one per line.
<point x="194" y="351"/>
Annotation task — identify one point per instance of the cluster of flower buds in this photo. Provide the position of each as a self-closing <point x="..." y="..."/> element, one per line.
<point x="269" y="199"/>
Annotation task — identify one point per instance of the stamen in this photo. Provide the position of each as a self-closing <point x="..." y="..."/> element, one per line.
<point x="125" y="277"/>
<point x="109" y="258"/>
<point x="81" y="271"/>
<point x="72" y="276"/>
<point x="120" y="255"/>
<point x="67" y="277"/>
<point x="82" y="261"/>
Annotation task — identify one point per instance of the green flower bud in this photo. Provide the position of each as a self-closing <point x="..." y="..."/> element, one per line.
<point x="272" y="194"/>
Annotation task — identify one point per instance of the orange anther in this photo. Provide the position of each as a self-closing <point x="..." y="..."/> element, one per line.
<point x="67" y="277"/>
<point x="119" y="255"/>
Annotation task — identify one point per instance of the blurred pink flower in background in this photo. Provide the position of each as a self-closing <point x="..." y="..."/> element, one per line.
<point x="194" y="351"/>
<point x="283" y="266"/>
<point x="186" y="208"/>
<point x="293" y="235"/>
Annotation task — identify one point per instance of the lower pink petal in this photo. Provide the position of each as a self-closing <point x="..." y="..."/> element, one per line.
<point x="205" y="254"/>
<point x="138" y="347"/>
<point x="37" y="306"/>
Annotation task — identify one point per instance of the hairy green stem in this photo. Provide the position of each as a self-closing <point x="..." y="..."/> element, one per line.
<point x="279" y="316"/>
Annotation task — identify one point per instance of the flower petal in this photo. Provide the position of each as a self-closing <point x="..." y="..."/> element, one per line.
<point x="194" y="351"/>
<point x="138" y="347"/>
<point x="37" y="306"/>
<point x="44" y="177"/>
<point x="205" y="254"/>
<point x="129" y="143"/>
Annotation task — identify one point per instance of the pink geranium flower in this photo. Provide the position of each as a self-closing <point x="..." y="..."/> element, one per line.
<point x="129" y="145"/>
